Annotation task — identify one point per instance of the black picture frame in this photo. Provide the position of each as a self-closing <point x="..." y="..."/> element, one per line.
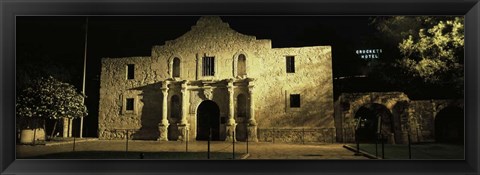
<point x="10" y="9"/>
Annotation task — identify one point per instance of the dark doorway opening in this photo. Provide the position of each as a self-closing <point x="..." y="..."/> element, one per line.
<point x="449" y="125"/>
<point x="370" y="116"/>
<point x="208" y="118"/>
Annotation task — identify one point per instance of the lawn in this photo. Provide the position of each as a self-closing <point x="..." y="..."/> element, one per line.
<point x="418" y="151"/>
<point x="137" y="155"/>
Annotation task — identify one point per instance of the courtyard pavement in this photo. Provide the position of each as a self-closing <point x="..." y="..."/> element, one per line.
<point x="259" y="150"/>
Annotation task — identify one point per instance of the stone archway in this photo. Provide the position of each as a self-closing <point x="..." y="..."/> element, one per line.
<point x="371" y="115"/>
<point x="208" y="117"/>
<point x="449" y="125"/>
<point x="349" y="104"/>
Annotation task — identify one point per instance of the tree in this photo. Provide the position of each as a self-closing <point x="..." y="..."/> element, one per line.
<point x="48" y="98"/>
<point x="429" y="55"/>
<point x="436" y="55"/>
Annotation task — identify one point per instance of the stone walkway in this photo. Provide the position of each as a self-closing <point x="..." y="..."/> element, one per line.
<point x="260" y="150"/>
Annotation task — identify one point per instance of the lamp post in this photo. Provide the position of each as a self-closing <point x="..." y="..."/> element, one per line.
<point x="84" y="74"/>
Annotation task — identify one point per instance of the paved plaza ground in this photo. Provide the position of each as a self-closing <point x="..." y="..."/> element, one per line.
<point x="259" y="150"/>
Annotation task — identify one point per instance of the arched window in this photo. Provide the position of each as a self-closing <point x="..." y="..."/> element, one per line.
<point x="175" y="107"/>
<point x="176" y="67"/>
<point x="241" y="106"/>
<point x="241" y="65"/>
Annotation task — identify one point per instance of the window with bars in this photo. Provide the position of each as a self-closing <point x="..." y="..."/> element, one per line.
<point x="130" y="71"/>
<point x="290" y="64"/>
<point x="294" y="100"/>
<point x="208" y="66"/>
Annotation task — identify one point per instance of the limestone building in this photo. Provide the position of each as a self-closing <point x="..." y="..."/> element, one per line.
<point x="214" y="80"/>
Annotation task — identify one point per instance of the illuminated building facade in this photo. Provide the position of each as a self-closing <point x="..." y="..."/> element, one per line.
<point x="215" y="81"/>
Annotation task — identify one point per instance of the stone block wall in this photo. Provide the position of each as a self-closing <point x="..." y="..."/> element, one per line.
<point x="312" y="80"/>
<point x="297" y="135"/>
<point x="115" y="88"/>
<point x="424" y="125"/>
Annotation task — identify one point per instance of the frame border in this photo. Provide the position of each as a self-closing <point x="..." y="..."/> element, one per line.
<point x="11" y="8"/>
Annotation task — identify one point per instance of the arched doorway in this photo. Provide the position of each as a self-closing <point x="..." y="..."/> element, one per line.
<point x="208" y="117"/>
<point x="370" y="115"/>
<point x="449" y="125"/>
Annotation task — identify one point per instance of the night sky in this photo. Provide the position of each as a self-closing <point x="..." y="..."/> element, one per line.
<point x="60" y="40"/>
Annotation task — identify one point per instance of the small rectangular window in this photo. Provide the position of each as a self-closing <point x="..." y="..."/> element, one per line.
<point x="290" y="64"/>
<point x="294" y="100"/>
<point x="130" y="71"/>
<point x="208" y="65"/>
<point x="129" y="105"/>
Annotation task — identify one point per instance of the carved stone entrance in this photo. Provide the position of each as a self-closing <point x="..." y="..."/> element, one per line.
<point x="208" y="118"/>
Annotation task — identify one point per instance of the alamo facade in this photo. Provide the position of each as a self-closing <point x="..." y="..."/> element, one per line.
<point x="215" y="82"/>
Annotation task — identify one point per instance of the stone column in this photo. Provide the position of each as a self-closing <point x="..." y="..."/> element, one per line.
<point x="252" y="123"/>
<point x="231" y="125"/>
<point x="163" y="125"/>
<point x="183" y="124"/>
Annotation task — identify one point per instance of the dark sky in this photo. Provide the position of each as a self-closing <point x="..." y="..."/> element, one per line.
<point x="60" y="40"/>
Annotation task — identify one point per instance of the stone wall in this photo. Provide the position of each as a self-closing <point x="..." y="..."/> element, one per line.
<point x="115" y="88"/>
<point x="414" y="117"/>
<point x="297" y="135"/>
<point x="423" y="116"/>
<point x="312" y="80"/>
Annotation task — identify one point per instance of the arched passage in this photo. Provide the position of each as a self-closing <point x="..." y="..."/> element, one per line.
<point x="208" y="117"/>
<point x="370" y="116"/>
<point x="449" y="125"/>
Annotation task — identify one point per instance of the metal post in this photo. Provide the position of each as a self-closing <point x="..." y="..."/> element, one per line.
<point x="233" y="143"/>
<point x="376" y="146"/>
<point x="34" y="132"/>
<point x="208" y="148"/>
<point x="409" y="147"/>
<point x="358" y="142"/>
<point x="84" y="74"/>
<point x="383" y="147"/>
<point x="126" y="144"/>
<point x="74" y="144"/>
<point x="186" y="142"/>
<point x="303" y="135"/>
<point x="324" y="136"/>
<point x="333" y="135"/>
<point x="273" y="135"/>
<point x="247" y="140"/>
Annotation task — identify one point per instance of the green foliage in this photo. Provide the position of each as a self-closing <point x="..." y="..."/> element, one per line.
<point x="48" y="98"/>
<point x="425" y="52"/>
<point x="436" y="51"/>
